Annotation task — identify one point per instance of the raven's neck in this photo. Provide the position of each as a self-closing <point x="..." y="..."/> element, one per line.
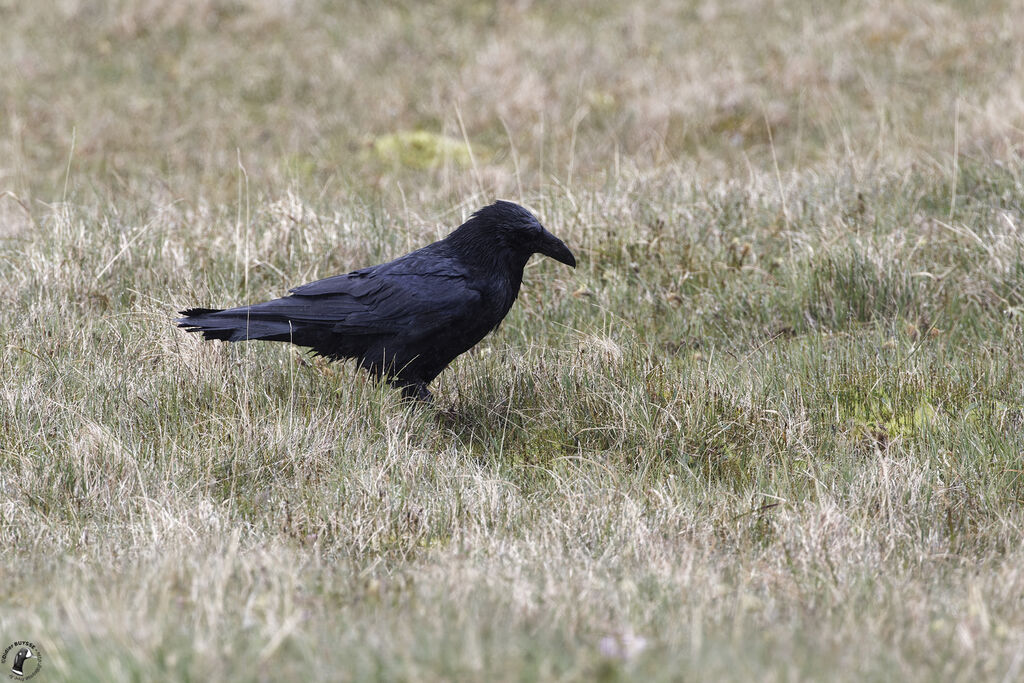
<point x="478" y="247"/>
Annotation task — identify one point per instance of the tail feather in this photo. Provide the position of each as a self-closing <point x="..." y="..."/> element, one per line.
<point x="237" y="324"/>
<point x="298" y="320"/>
<point x="199" y="311"/>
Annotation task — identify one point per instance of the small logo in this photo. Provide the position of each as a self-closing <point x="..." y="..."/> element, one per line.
<point x="26" y="662"/>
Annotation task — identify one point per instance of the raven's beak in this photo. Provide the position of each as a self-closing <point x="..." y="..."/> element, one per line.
<point x="556" y="249"/>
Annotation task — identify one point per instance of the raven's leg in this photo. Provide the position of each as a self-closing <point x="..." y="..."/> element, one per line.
<point x="417" y="391"/>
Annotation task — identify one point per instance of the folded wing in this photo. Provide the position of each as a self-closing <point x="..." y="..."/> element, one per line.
<point x="391" y="305"/>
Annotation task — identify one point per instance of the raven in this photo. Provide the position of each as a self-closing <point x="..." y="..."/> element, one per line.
<point x="405" y="320"/>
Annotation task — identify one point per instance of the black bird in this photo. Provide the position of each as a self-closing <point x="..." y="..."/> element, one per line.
<point x="18" y="668"/>
<point x="405" y="320"/>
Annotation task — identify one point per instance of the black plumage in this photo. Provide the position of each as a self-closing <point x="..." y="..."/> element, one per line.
<point x="407" y="319"/>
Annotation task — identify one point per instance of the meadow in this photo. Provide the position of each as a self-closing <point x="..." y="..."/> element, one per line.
<point x="769" y="429"/>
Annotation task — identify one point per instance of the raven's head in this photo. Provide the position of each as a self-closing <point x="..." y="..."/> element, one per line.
<point x="517" y="230"/>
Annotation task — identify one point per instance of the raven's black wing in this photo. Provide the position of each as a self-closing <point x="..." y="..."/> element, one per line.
<point x="415" y="295"/>
<point x="411" y="298"/>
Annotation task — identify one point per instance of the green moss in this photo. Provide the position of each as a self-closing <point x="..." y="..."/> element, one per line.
<point x="420" y="149"/>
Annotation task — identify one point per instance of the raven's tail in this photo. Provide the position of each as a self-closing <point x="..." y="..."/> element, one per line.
<point x="239" y="324"/>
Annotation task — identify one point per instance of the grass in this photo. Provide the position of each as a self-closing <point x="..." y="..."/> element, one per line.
<point x="770" y="428"/>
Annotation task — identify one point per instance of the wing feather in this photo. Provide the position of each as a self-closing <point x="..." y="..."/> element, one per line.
<point x="414" y="295"/>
